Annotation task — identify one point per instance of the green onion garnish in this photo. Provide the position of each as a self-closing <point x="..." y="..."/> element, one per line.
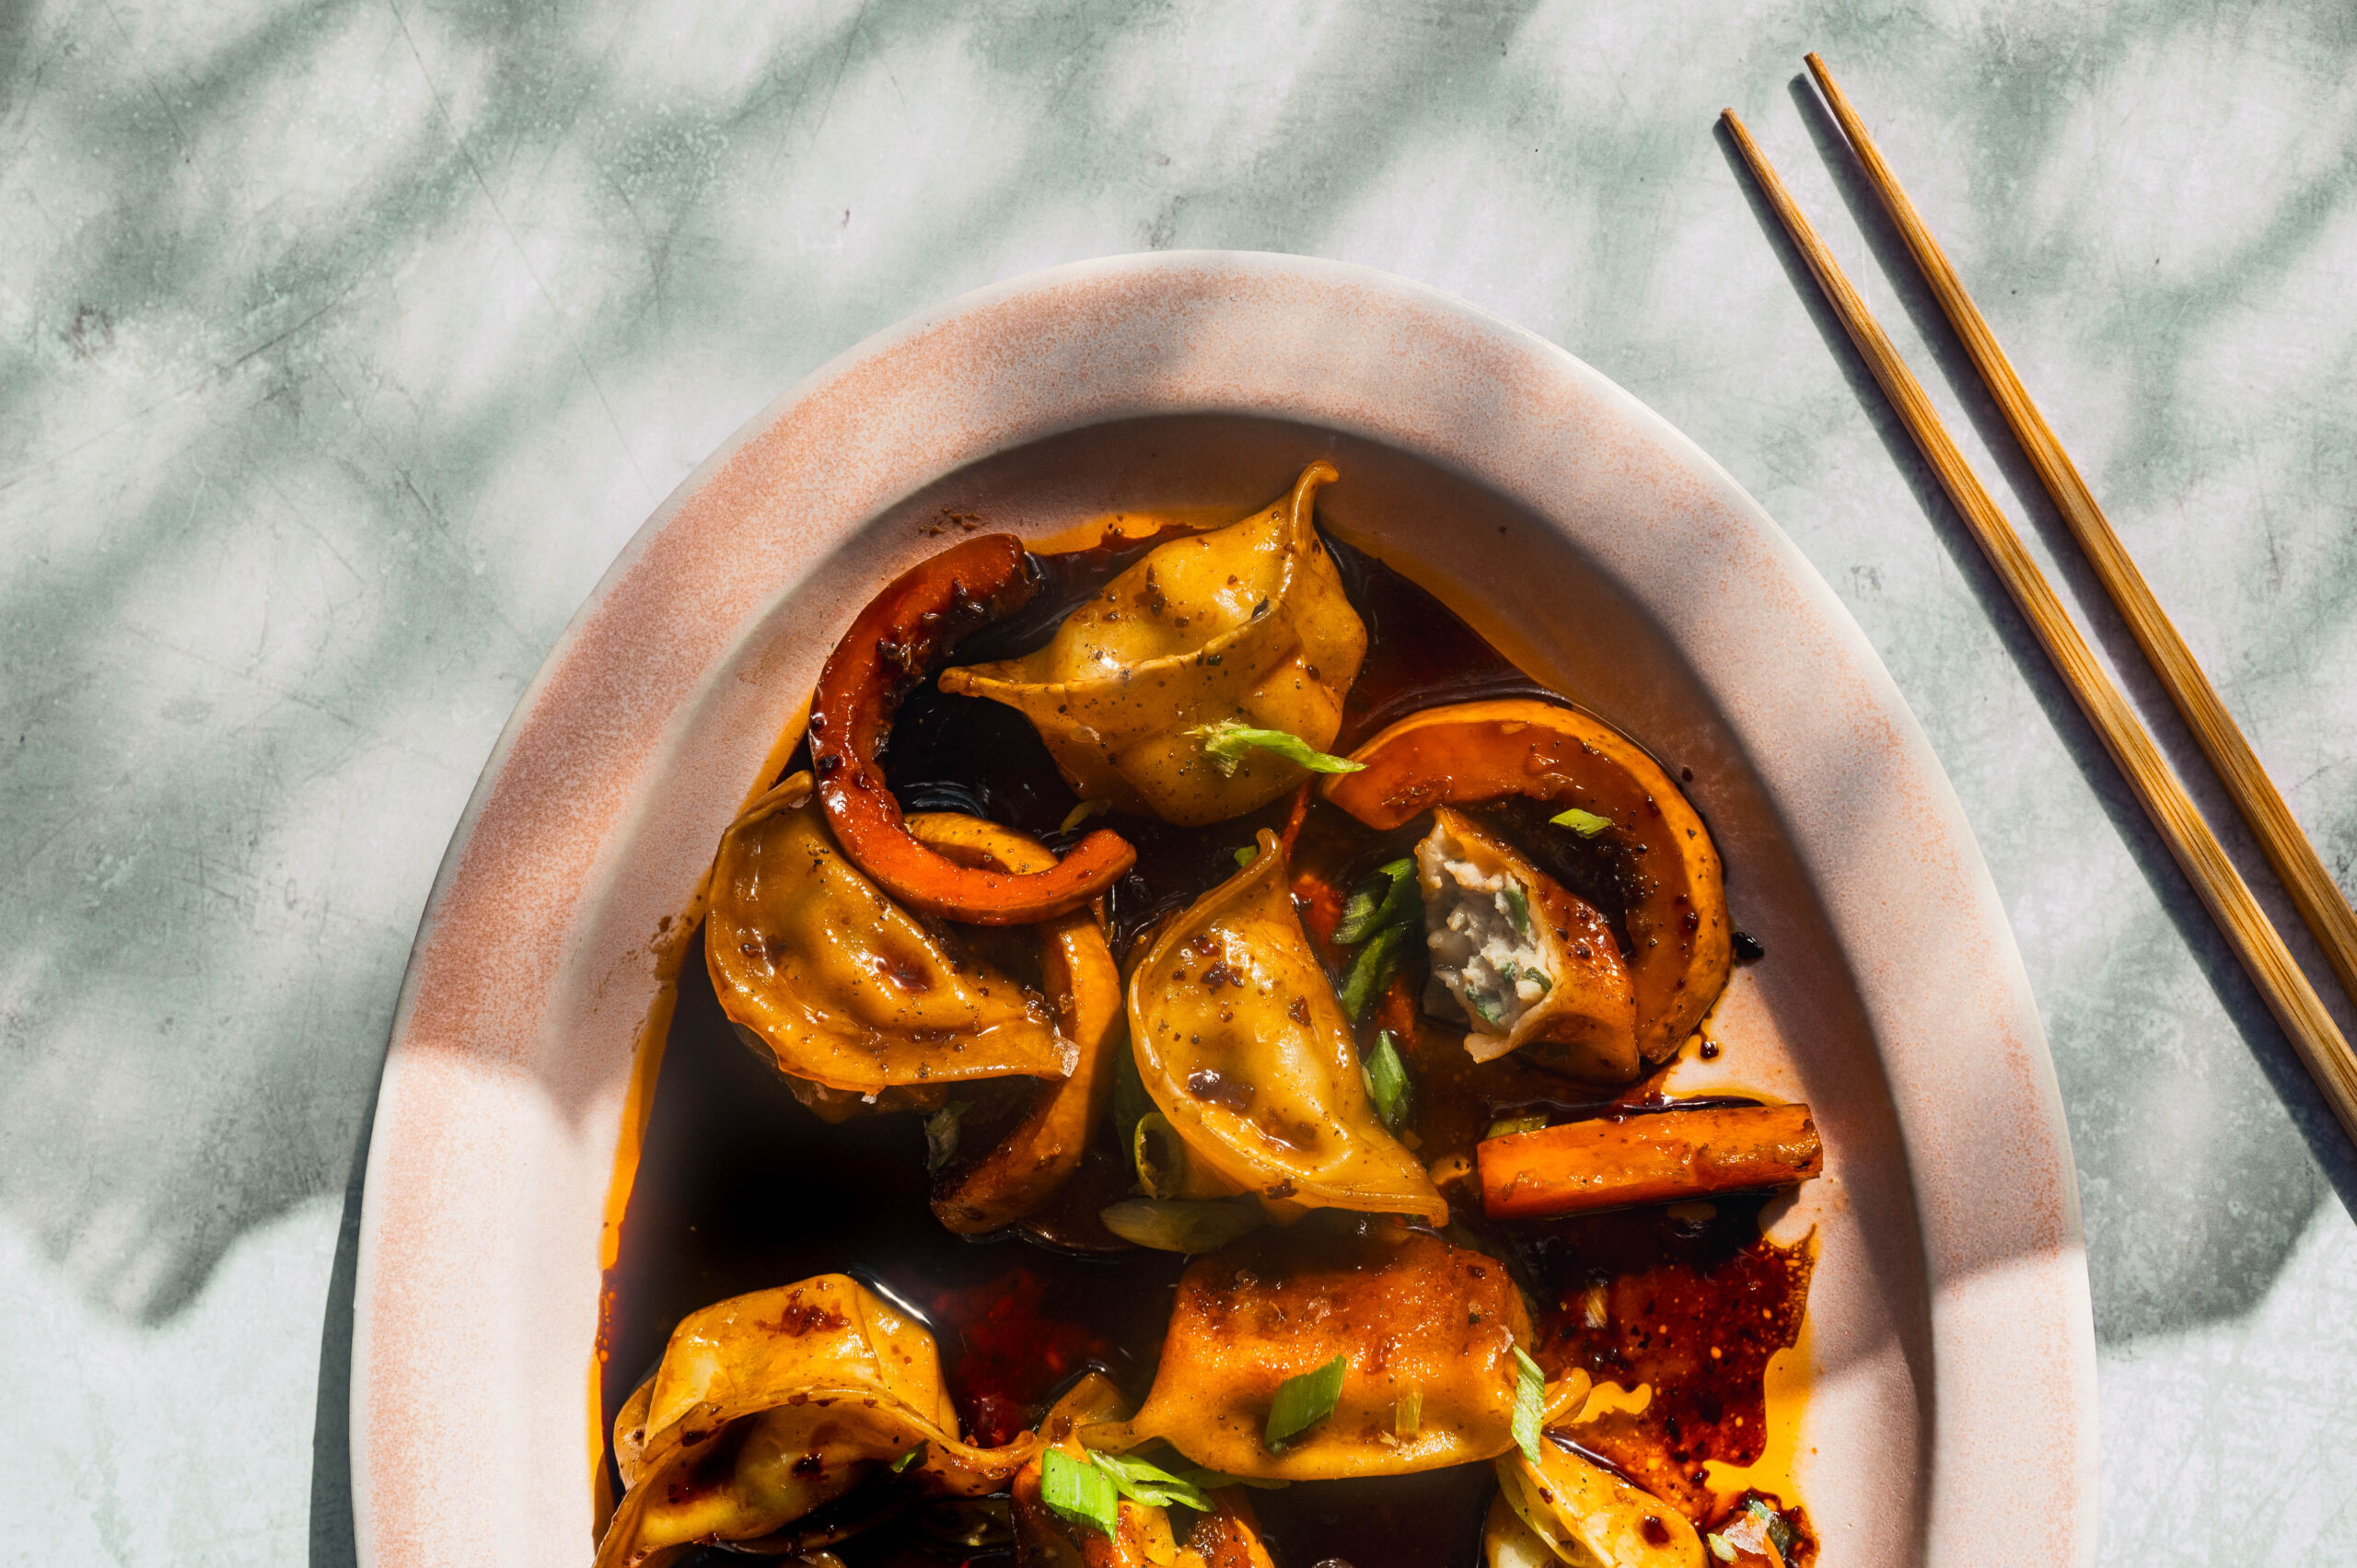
<point x="1372" y="969"/>
<point x="1247" y="854"/>
<point x="1382" y="900"/>
<point x="1781" y="1534"/>
<point x="1518" y="907"/>
<point x="1586" y="824"/>
<point x="1386" y="1081"/>
<point x="1150" y="1484"/>
<point x="1079" y="1493"/>
<point x="1530" y="1403"/>
<point x="1159" y="1156"/>
<point x="1225" y="743"/>
<point x="941" y="1136"/>
<point x="910" y="1458"/>
<point x="1483" y="1006"/>
<point x="1302" y="1402"/>
<point x="1507" y="1126"/>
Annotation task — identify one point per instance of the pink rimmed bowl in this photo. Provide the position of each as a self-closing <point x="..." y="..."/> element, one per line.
<point x="1950" y="1416"/>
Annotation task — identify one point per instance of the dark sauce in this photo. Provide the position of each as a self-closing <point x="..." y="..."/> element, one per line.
<point x="1692" y="1300"/>
<point x="740" y="1188"/>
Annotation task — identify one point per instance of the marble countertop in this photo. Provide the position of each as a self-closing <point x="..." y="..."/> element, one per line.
<point x="342" y="345"/>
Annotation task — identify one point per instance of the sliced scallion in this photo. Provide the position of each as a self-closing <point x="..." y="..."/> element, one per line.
<point x="1302" y="1402"/>
<point x="1385" y="899"/>
<point x="1226" y="742"/>
<point x="1586" y="824"/>
<point x="941" y="1136"/>
<point x="1371" y="971"/>
<point x="1079" y="1493"/>
<point x="1386" y="1081"/>
<point x="1530" y="1403"/>
<point x="1150" y="1484"/>
<point x="1781" y="1534"/>
<point x="1159" y="1156"/>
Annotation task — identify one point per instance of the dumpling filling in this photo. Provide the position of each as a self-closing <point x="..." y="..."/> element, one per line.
<point x="1518" y="959"/>
<point x="1489" y="967"/>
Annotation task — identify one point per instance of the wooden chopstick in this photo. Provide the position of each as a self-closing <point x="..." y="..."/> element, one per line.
<point x="2296" y="863"/>
<point x="2256" y="942"/>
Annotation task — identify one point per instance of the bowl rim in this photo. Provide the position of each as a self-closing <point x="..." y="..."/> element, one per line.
<point x="2037" y="1289"/>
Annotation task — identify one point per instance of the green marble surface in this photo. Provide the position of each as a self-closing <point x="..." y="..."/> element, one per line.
<point x="342" y="344"/>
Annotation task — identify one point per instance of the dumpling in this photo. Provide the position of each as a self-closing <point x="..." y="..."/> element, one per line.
<point x="767" y="1405"/>
<point x="1582" y="1515"/>
<point x="1026" y="1164"/>
<point x="847" y="988"/>
<point x="1427" y="1331"/>
<point x="1524" y="963"/>
<point x="1244" y="1049"/>
<point x="1248" y="623"/>
<point x="1680" y="941"/>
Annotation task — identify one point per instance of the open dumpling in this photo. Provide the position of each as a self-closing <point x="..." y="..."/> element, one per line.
<point x="847" y="988"/>
<point x="1525" y="964"/>
<point x="1246" y="623"/>
<point x="1679" y="939"/>
<point x="1427" y="1331"/>
<point x="1244" y="1049"/>
<point x="766" y="1406"/>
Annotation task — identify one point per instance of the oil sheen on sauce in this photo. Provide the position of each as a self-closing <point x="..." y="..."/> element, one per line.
<point x="738" y="1188"/>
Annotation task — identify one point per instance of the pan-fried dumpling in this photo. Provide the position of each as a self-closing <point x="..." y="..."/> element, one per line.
<point x="1244" y="1049"/>
<point x="1246" y="624"/>
<point x="1427" y="1331"/>
<point x="1581" y="1514"/>
<point x="1527" y="964"/>
<point x="767" y="1405"/>
<point x="847" y="988"/>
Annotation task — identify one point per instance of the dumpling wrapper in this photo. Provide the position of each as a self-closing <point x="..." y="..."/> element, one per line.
<point x="1412" y="1315"/>
<point x="847" y="988"/>
<point x="766" y="1406"/>
<point x="1248" y="623"/>
<point x="1527" y="965"/>
<point x="1241" y="1043"/>
<point x="1582" y="1515"/>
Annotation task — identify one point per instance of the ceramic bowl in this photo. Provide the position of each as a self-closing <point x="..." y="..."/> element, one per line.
<point x="1951" y="1411"/>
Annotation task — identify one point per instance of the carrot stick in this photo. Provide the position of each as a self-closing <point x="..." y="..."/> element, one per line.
<point x="1656" y="1158"/>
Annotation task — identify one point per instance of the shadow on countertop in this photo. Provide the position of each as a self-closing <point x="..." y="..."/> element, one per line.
<point x="2198" y="1169"/>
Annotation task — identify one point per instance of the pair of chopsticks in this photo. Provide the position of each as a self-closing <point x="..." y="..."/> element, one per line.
<point x="2321" y="1047"/>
